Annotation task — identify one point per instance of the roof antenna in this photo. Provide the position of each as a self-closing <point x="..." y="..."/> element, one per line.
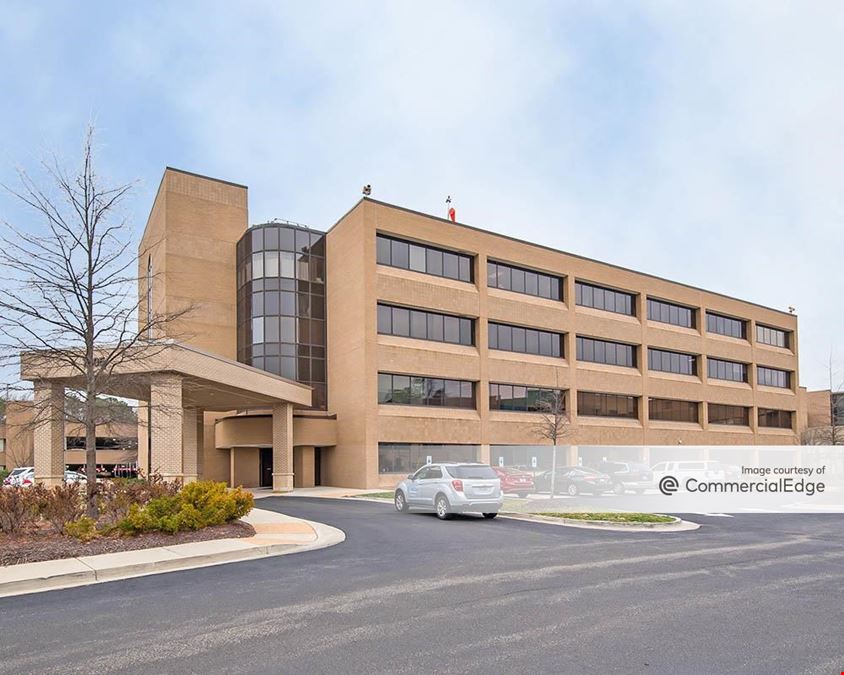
<point x="452" y="214"/>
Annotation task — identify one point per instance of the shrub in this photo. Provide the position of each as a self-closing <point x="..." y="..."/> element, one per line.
<point x="118" y="495"/>
<point x="215" y="503"/>
<point x="200" y="504"/>
<point x="18" y="508"/>
<point x="4" y="473"/>
<point x="59" y="505"/>
<point x="84" y="528"/>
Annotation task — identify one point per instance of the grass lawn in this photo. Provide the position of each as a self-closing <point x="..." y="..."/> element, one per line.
<point x="377" y="495"/>
<point x="614" y="517"/>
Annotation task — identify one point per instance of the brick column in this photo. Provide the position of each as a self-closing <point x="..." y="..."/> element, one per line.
<point x="192" y="443"/>
<point x="143" y="437"/>
<point x="167" y="414"/>
<point x="48" y="434"/>
<point x="282" y="447"/>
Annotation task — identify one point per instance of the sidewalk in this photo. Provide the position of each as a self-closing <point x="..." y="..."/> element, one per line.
<point x="322" y="491"/>
<point x="275" y="534"/>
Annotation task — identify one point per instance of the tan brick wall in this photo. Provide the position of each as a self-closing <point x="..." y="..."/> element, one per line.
<point x="191" y="234"/>
<point x="357" y="353"/>
<point x="167" y="426"/>
<point x="48" y="434"/>
<point x="282" y="447"/>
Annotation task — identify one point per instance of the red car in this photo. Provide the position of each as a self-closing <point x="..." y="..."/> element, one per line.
<point x="514" y="480"/>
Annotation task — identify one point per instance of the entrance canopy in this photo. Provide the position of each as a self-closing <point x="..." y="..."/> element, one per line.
<point x="180" y="382"/>
<point x="209" y="382"/>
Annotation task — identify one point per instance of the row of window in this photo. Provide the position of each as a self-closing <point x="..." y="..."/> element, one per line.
<point x="524" y="340"/>
<point x="514" y="397"/>
<point x="672" y="362"/>
<point x="288" y="329"/>
<point x="439" y="262"/>
<point x="422" y="258"/>
<point x="598" y="297"/>
<point x="425" y="325"/>
<point x="520" y="280"/>
<point x="668" y="312"/>
<point x="459" y="330"/>
<point x="604" y="351"/>
<point x="426" y="391"/>
<point x="407" y="457"/>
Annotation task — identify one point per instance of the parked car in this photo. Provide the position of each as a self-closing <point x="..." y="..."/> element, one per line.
<point x="628" y="476"/>
<point x="451" y="488"/>
<point x="573" y="480"/>
<point x="23" y="476"/>
<point x="708" y="470"/>
<point x="74" y="477"/>
<point x="514" y="480"/>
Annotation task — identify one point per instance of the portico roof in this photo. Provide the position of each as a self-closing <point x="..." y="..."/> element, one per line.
<point x="209" y="381"/>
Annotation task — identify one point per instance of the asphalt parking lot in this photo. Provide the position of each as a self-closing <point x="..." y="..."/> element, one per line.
<point x="410" y="593"/>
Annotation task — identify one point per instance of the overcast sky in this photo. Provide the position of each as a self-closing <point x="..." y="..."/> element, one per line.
<point x="697" y="141"/>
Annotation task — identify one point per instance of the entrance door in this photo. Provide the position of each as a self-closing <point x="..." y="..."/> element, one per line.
<point x="317" y="466"/>
<point x="266" y="467"/>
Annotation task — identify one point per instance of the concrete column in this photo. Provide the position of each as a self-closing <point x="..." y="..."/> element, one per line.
<point x="167" y="427"/>
<point x="282" y="447"/>
<point x="193" y="431"/>
<point x="48" y="434"/>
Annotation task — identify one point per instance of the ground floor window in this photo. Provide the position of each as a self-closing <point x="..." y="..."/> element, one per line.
<point x="777" y="419"/>
<point x="407" y="457"/>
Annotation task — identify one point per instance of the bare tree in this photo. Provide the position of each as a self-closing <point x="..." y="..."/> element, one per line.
<point x="554" y="426"/>
<point x="69" y="294"/>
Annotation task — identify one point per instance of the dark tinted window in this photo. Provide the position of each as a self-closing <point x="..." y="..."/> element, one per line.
<point x="589" y="295"/>
<point x="726" y="370"/>
<point x="422" y="258"/>
<point x="523" y="399"/>
<point x="667" y="312"/>
<point x="524" y="340"/>
<point x="778" y="419"/>
<point x="725" y="325"/>
<point x="772" y="336"/>
<point x="407" y="457"/>
<point x="281" y="303"/>
<point x="729" y="414"/>
<point x="512" y="278"/>
<point x="604" y="351"/>
<point x="592" y="404"/>
<point x="425" y="325"/>
<point x="672" y="411"/>
<point x="672" y="362"/>
<point x="425" y="391"/>
<point x="772" y="377"/>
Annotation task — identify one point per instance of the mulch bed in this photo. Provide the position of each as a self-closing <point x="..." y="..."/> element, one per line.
<point x="45" y="544"/>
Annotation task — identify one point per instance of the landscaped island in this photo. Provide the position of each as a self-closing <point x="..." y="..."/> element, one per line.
<point x="46" y="523"/>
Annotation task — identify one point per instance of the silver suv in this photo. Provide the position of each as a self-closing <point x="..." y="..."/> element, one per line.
<point x="451" y="488"/>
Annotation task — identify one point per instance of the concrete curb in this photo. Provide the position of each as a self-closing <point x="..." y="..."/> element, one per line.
<point x="677" y="526"/>
<point x="69" y="572"/>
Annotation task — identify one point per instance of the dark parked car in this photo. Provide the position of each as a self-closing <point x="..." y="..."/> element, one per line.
<point x="514" y="480"/>
<point x="573" y="480"/>
<point x="628" y="476"/>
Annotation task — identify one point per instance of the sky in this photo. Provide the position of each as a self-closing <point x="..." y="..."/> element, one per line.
<point x="702" y="142"/>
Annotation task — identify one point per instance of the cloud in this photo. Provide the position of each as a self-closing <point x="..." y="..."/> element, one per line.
<point x="697" y="142"/>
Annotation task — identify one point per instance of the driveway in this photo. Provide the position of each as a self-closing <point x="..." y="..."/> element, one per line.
<point x="409" y="593"/>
